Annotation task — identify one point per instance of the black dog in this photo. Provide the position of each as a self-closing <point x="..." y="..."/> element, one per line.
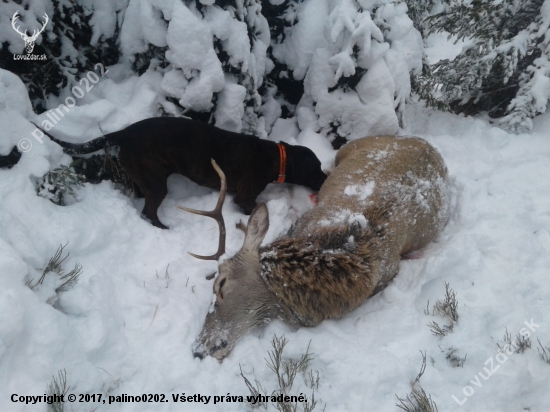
<point x="153" y="149"/>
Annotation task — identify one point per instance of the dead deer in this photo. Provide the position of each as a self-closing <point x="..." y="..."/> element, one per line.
<point x="29" y="40"/>
<point x="387" y="197"/>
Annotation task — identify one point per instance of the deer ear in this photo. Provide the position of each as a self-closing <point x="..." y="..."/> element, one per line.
<point x="258" y="224"/>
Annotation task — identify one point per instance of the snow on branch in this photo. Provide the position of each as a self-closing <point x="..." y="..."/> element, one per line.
<point x="504" y="67"/>
<point x="357" y="29"/>
<point x="358" y="82"/>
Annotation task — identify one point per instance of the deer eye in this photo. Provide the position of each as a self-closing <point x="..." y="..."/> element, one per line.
<point x="222" y="282"/>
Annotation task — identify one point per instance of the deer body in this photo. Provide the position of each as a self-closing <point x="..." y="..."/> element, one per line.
<point x="387" y="197"/>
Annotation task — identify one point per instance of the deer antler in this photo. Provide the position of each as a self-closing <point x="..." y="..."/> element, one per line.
<point x="215" y="214"/>
<point x="13" y="20"/>
<point x="35" y="34"/>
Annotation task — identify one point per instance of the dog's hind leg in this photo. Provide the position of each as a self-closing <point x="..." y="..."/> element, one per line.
<point x="154" y="189"/>
<point x="150" y="177"/>
<point x="154" y="193"/>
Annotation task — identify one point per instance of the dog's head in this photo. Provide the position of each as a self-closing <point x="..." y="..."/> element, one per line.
<point x="303" y="167"/>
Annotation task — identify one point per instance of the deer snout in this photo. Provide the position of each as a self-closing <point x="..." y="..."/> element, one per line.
<point x="215" y="351"/>
<point x="219" y="349"/>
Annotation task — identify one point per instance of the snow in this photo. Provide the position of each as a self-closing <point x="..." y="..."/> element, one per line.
<point x="298" y="48"/>
<point x="360" y="191"/>
<point x="230" y="109"/>
<point x="110" y="106"/>
<point x="352" y="41"/>
<point x="129" y="324"/>
<point x="144" y="23"/>
<point x="103" y="20"/>
<point x="440" y="46"/>
<point x="13" y="86"/>
<point x="191" y="52"/>
<point x="195" y="73"/>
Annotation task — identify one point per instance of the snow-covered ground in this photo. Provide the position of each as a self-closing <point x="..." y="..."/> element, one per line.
<point x="127" y="327"/>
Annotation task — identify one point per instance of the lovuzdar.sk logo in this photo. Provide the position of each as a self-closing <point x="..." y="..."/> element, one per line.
<point x="29" y="40"/>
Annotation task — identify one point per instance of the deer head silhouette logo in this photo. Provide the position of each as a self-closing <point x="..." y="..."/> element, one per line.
<point x="29" y="40"/>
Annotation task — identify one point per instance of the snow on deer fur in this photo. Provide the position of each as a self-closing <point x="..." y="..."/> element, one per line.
<point x="319" y="271"/>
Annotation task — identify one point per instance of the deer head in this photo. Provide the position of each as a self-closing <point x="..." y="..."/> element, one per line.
<point x="242" y="300"/>
<point x="29" y="40"/>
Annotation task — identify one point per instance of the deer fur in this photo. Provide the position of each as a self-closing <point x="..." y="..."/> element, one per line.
<point x="387" y="196"/>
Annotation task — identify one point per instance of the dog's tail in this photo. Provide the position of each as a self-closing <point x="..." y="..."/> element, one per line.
<point x="85" y="148"/>
<point x="11" y="159"/>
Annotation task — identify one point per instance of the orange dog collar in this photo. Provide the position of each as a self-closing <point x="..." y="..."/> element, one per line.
<point x="282" y="163"/>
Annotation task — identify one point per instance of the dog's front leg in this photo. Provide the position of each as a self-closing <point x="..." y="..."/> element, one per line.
<point x="246" y="195"/>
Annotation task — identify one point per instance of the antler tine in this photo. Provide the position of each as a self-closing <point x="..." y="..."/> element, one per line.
<point x="13" y="20"/>
<point x="38" y="31"/>
<point x="46" y="20"/>
<point x="215" y="214"/>
<point x="35" y="33"/>
<point x="242" y="226"/>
